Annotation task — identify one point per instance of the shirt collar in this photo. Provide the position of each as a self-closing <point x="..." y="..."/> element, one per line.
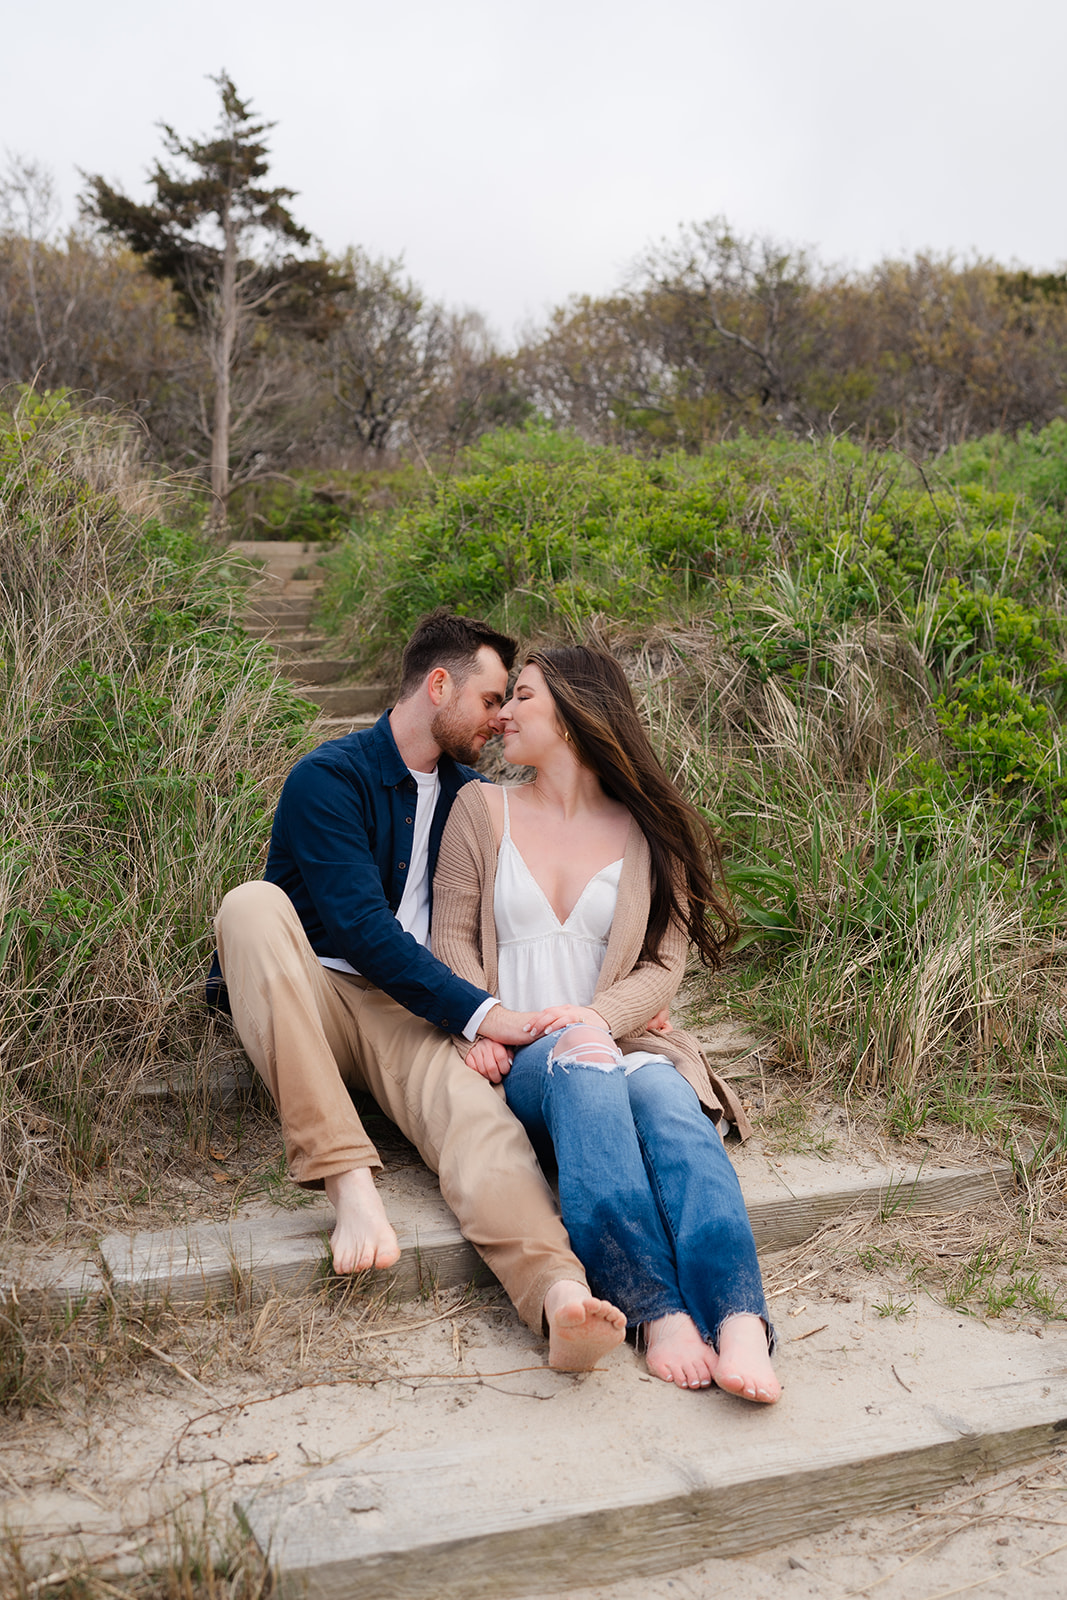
<point x="393" y="768"/>
<point x="390" y="763"/>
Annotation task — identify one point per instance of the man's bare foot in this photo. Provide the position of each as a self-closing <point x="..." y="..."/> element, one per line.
<point x="744" y="1363"/>
<point x="675" y="1352"/>
<point x="580" y="1329"/>
<point x="362" y="1236"/>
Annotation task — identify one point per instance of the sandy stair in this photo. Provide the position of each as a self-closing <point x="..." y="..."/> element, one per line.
<point x="538" y="1483"/>
<point x="498" y="1477"/>
<point x="267" y="1250"/>
<point x="280" y="610"/>
<point x="536" y="1476"/>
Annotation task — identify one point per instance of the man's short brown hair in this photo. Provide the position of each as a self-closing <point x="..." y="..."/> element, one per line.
<point x="442" y="639"/>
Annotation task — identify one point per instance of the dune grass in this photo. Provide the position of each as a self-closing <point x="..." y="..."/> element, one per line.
<point x="855" y="663"/>
<point x="142" y="741"/>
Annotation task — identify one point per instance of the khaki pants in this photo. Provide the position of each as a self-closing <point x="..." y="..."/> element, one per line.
<point x="311" y="1031"/>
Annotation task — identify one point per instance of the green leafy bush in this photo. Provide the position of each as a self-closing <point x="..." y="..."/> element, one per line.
<point x="540" y="530"/>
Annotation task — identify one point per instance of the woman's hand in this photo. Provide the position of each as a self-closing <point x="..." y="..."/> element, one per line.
<point x="563" y="1017"/>
<point x="661" y="1022"/>
<point x="492" y="1060"/>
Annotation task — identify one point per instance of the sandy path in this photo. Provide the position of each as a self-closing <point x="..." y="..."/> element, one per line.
<point x="303" y="1393"/>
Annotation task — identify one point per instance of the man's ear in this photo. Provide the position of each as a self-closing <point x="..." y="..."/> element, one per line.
<point x="438" y="685"/>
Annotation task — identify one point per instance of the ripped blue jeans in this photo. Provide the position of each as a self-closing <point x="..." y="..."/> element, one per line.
<point x="648" y="1194"/>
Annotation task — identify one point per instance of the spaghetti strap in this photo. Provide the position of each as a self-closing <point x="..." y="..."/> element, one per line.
<point x="507" y="817"/>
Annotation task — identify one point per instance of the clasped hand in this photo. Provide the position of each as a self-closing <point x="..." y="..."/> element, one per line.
<point x="492" y="1058"/>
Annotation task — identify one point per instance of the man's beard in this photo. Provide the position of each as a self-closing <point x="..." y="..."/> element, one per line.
<point x="455" y="741"/>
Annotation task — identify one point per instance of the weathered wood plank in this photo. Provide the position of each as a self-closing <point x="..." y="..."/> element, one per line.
<point x="293" y="649"/>
<point x="220" y="1082"/>
<point x="57" y="1279"/>
<point x="324" y="669"/>
<point x="782" y="1220"/>
<point x="280" y="608"/>
<point x="424" y="1527"/>
<point x="286" y="1251"/>
<point x="348" y="700"/>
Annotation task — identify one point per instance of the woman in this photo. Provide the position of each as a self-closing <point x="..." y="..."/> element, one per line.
<point x="576" y="897"/>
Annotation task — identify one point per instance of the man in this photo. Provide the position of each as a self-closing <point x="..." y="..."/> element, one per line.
<point x="330" y="983"/>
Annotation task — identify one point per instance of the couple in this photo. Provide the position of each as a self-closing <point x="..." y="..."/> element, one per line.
<point x="562" y="916"/>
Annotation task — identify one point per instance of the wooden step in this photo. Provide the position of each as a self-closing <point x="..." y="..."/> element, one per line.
<point x="272" y="1251"/>
<point x="481" y="1491"/>
<point x="349" y="700"/>
<point x="282" y="557"/>
<point x="277" y="634"/>
<point x="291" y="648"/>
<point x="283" y="609"/>
<point x="319" y="671"/>
<point x="276" y="586"/>
<point x="61" y="1280"/>
<point x="324" y="728"/>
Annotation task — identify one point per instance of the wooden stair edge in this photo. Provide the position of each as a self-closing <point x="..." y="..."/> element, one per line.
<point x="286" y="1250"/>
<point x="496" y="1548"/>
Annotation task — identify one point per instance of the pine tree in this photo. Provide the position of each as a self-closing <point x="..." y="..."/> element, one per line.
<point x="228" y="245"/>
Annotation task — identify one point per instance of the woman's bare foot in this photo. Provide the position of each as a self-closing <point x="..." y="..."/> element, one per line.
<point x="580" y="1329"/>
<point x="675" y="1352"/>
<point x="362" y="1236"/>
<point x="744" y="1363"/>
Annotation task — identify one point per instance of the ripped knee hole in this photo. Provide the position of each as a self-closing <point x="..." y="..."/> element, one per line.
<point x="582" y="1045"/>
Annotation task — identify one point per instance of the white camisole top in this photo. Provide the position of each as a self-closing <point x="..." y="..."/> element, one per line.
<point x="540" y="960"/>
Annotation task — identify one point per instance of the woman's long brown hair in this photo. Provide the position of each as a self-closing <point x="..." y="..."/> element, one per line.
<point x="596" y="708"/>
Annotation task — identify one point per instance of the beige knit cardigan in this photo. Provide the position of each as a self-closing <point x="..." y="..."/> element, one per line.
<point x="629" y="991"/>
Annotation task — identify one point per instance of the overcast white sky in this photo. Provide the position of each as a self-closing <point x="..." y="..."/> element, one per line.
<point x="515" y="155"/>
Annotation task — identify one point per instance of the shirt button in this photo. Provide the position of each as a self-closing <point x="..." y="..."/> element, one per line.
<point x="403" y="866"/>
<point x="409" y="819"/>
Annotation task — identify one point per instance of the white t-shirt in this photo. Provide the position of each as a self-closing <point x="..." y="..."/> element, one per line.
<point x="413" y="912"/>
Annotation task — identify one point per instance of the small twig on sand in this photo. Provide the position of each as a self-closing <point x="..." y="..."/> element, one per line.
<point x="407" y="1327"/>
<point x="776" y="1294"/>
<point x="65" y="1574"/>
<point x="169" y="1361"/>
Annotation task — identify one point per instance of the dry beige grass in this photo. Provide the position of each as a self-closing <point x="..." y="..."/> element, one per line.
<point x="143" y="745"/>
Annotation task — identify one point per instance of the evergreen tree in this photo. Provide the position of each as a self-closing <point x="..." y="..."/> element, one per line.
<point x="227" y="245"/>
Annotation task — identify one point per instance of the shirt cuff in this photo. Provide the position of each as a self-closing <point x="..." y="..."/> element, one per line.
<point x="471" y="1030"/>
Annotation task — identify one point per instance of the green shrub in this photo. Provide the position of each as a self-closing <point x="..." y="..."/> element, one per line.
<point x="540" y="530"/>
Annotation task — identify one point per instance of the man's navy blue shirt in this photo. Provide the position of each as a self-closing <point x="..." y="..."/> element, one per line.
<point x="341" y="847"/>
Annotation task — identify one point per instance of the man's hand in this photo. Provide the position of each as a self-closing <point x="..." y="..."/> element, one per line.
<point x="492" y="1060"/>
<point x="517" y="1028"/>
<point x="506" y="1027"/>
